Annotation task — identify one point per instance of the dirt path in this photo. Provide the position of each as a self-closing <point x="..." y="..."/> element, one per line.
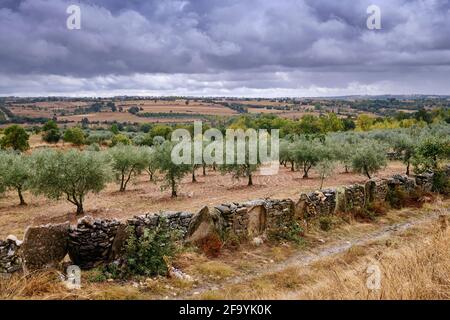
<point x="305" y="258"/>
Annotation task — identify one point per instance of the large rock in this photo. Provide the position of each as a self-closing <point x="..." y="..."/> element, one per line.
<point x="10" y="260"/>
<point x="257" y="221"/>
<point x="205" y="224"/>
<point x="45" y="246"/>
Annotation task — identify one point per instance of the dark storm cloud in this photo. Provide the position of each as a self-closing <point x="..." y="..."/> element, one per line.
<point x="222" y="46"/>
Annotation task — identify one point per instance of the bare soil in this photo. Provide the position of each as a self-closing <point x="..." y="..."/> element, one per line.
<point x="144" y="196"/>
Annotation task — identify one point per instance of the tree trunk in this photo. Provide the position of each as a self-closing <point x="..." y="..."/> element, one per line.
<point x="250" y="180"/>
<point x="174" y="190"/>
<point x="122" y="182"/>
<point x="22" y="201"/>
<point x="305" y="171"/>
<point x="346" y="168"/>
<point x="321" y="182"/>
<point x="367" y="172"/>
<point x="292" y="166"/>
<point x="204" y="169"/>
<point x="193" y="175"/>
<point x="407" y="168"/>
<point x="80" y="209"/>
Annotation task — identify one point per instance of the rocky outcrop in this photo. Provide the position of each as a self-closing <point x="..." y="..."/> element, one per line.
<point x="10" y="260"/>
<point x="45" y="246"/>
<point x="91" y="240"/>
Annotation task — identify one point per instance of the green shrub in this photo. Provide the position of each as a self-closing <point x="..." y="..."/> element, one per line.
<point x="396" y="198"/>
<point x="148" y="254"/>
<point x="325" y="223"/>
<point x="292" y="233"/>
<point x="441" y="182"/>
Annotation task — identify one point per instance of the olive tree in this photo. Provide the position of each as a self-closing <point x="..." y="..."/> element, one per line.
<point x="172" y="172"/>
<point x="325" y="168"/>
<point x="405" y="146"/>
<point x="306" y="154"/>
<point x="342" y="149"/>
<point x="75" y="136"/>
<point x="127" y="162"/>
<point x="369" y="157"/>
<point x="242" y="165"/>
<point x="16" y="138"/>
<point x="72" y="174"/>
<point x="151" y="161"/>
<point x="286" y="154"/>
<point x="430" y="152"/>
<point x="15" y="172"/>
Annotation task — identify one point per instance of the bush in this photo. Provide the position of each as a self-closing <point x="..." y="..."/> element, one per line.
<point x="51" y="136"/>
<point x="120" y="139"/>
<point x="325" y="223"/>
<point x="148" y="254"/>
<point x="16" y="138"/>
<point x="441" y="182"/>
<point x="211" y="246"/>
<point x="75" y="136"/>
<point x="293" y="233"/>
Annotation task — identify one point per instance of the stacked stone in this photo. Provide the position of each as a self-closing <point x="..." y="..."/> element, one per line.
<point x="376" y="190"/>
<point x="177" y="221"/>
<point x="90" y="241"/>
<point x="10" y="260"/>
<point x="240" y="220"/>
<point x="317" y="203"/>
<point x="405" y="183"/>
<point x="425" y="181"/>
<point x="354" y="197"/>
<point x="235" y="217"/>
<point x="280" y="213"/>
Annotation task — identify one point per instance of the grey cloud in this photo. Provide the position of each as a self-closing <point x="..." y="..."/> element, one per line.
<point x="222" y="41"/>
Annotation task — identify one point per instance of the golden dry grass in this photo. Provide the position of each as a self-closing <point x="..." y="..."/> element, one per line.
<point x="414" y="264"/>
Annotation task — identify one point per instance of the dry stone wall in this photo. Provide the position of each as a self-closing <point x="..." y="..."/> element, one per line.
<point x="92" y="242"/>
<point x="177" y="220"/>
<point x="10" y="260"/>
<point x="316" y="203"/>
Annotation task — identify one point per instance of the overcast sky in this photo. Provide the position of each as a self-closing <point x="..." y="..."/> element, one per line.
<point x="260" y="48"/>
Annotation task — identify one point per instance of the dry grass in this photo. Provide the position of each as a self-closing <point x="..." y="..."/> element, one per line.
<point x="214" y="269"/>
<point x="414" y="264"/>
